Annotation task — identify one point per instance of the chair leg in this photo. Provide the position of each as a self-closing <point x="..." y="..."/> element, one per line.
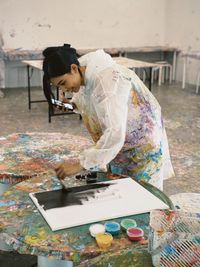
<point x="167" y="73"/>
<point x="160" y="76"/>
<point x="152" y="75"/>
<point x="170" y="74"/>
<point x="163" y="74"/>
<point x="198" y="83"/>
<point x="143" y="76"/>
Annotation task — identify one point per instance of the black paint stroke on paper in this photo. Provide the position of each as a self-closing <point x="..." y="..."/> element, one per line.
<point x="70" y="196"/>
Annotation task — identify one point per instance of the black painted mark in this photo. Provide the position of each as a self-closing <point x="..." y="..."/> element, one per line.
<point x="87" y="175"/>
<point x="71" y="196"/>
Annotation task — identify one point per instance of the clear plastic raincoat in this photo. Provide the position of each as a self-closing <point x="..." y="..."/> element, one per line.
<point x="124" y="120"/>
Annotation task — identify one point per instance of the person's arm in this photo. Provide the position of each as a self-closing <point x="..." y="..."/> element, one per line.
<point x="67" y="168"/>
<point x="110" y="99"/>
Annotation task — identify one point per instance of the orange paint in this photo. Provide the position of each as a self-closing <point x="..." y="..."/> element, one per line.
<point x="3" y="167"/>
<point x="36" y="165"/>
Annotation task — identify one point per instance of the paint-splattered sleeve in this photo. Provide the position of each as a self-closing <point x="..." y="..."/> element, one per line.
<point x="110" y="99"/>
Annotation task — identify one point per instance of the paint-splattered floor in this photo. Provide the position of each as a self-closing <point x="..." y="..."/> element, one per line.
<point x="181" y="111"/>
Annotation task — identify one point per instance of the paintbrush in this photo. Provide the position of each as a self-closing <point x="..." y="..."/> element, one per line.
<point x="90" y="178"/>
<point x="63" y="185"/>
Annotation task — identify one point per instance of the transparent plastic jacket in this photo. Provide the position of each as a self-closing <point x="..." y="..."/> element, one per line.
<point x="111" y="114"/>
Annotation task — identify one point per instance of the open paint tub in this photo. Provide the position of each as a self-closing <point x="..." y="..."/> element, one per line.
<point x="113" y="228"/>
<point x="128" y="223"/>
<point x="135" y="233"/>
<point x="96" y="229"/>
<point x="104" y="241"/>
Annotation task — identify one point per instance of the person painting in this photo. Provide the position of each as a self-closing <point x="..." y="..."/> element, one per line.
<point x="121" y="114"/>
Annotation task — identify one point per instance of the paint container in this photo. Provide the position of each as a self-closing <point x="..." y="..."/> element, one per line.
<point x="135" y="233"/>
<point x="104" y="241"/>
<point x="128" y="223"/>
<point x="112" y="227"/>
<point x="97" y="228"/>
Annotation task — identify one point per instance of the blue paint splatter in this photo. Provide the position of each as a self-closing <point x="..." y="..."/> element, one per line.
<point x="23" y="138"/>
<point x="169" y="250"/>
<point x="7" y="204"/>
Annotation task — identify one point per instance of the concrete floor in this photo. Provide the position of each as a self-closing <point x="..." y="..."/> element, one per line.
<point x="181" y="112"/>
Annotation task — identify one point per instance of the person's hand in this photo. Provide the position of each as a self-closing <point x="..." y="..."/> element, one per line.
<point x="68" y="168"/>
<point x="62" y="108"/>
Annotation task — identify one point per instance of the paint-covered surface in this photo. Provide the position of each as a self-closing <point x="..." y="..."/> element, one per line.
<point x="175" y="238"/>
<point x="25" y="229"/>
<point x="23" y="156"/>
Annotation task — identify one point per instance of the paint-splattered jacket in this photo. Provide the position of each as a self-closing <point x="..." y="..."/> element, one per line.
<point x="124" y="120"/>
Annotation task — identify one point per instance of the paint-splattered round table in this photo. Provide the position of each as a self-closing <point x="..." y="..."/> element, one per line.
<point x="25" y="230"/>
<point x="23" y="156"/>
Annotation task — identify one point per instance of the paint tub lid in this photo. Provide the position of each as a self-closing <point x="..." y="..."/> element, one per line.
<point x="97" y="228"/>
<point x="104" y="240"/>
<point x="112" y="227"/>
<point x="135" y="233"/>
<point x="128" y="223"/>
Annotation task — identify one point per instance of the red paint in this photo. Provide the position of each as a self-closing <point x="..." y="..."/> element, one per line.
<point x="135" y="233"/>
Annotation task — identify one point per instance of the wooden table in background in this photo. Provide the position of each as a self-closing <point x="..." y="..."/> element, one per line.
<point x="136" y="64"/>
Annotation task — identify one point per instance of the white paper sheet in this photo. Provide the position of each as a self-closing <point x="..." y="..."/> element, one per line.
<point x="123" y="198"/>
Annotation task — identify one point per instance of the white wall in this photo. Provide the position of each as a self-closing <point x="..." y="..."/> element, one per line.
<point x="89" y="23"/>
<point x="29" y="24"/>
<point x="183" y="29"/>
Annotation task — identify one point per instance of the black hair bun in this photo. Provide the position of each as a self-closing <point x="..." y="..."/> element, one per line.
<point x="58" y="60"/>
<point x="67" y="45"/>
<point x="68" y="48"/>
<point x="49" y="51"/>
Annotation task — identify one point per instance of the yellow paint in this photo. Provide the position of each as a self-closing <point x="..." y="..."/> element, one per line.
<point x="135" y="98"/>
<point x="104" y="240"/>
<point x="7" y="193"/>
<point x="42" y="233"/>
<point x="33" y="240"/>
